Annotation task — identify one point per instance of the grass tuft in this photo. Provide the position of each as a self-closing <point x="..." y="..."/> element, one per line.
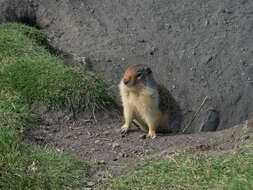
<point x="29" y="69"/>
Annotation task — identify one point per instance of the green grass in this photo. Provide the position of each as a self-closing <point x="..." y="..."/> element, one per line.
<point x="33" y="168"/>
<point x="202" y="172"/>
<point x="28" y="74"/>
<point x="28" y="68"/>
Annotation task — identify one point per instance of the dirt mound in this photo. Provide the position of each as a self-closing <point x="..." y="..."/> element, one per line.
<point x="96" y="139"/>
<point x="197" y="48"/>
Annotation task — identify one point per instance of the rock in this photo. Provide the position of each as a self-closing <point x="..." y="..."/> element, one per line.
<point x="97" y="141"/>
<point x="115" y="145"/>
<point x="90" y="184"/>
<point x="206" y="59"/>
<point x="120" y="154"/>
<point x="212" y="121"/>
<point x="207" y="22"/>
<point x="106" y="133"/>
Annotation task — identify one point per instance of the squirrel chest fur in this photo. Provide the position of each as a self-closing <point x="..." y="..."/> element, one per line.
<point x="145" y="102"/>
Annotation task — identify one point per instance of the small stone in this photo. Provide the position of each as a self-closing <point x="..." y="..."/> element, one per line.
<point x="106" y="133"/>
<point x="90" y="184"/>
<point x="79" y="133"/>
<point x="206" y="59"/>
<point x="115" y="145"/>
<point x="206" y="22"/>
<point x="168" y="26"/>
<point x="120" y="154"/>
<point x="97" y="141"/>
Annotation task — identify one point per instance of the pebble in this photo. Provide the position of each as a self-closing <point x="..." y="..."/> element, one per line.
<point x="120" y="154"/>
<point x="106" y="133"/>
<point x="90" y="184"/>
<point x="115" y="145"/>
<point x="206" y="59"/>
<point x="207" y="22"/>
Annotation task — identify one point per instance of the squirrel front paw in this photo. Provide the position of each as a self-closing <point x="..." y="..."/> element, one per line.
<point x="124" y="129"/>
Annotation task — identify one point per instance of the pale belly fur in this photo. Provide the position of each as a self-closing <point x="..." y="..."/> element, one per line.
<point x="146" y="109"/>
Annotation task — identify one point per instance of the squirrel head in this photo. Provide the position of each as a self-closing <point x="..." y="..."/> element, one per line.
<point x="136" y="74"/>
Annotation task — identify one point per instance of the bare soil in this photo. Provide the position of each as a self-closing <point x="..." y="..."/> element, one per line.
<point x="196" y="48"/>
<point x="95" y="138"/>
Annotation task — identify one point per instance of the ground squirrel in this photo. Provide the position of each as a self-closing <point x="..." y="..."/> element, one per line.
<point x="147" y="103"/>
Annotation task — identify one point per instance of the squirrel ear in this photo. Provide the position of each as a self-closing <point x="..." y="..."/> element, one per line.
<point x="148" y="70"/>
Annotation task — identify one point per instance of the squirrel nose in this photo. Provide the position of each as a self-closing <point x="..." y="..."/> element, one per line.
<point x="126" y="81"/>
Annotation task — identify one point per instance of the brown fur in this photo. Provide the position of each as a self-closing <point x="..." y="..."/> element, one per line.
<point x="146" y="103"/>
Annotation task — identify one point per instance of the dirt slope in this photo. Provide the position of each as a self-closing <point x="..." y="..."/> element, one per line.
<point x="197" y="48"/>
